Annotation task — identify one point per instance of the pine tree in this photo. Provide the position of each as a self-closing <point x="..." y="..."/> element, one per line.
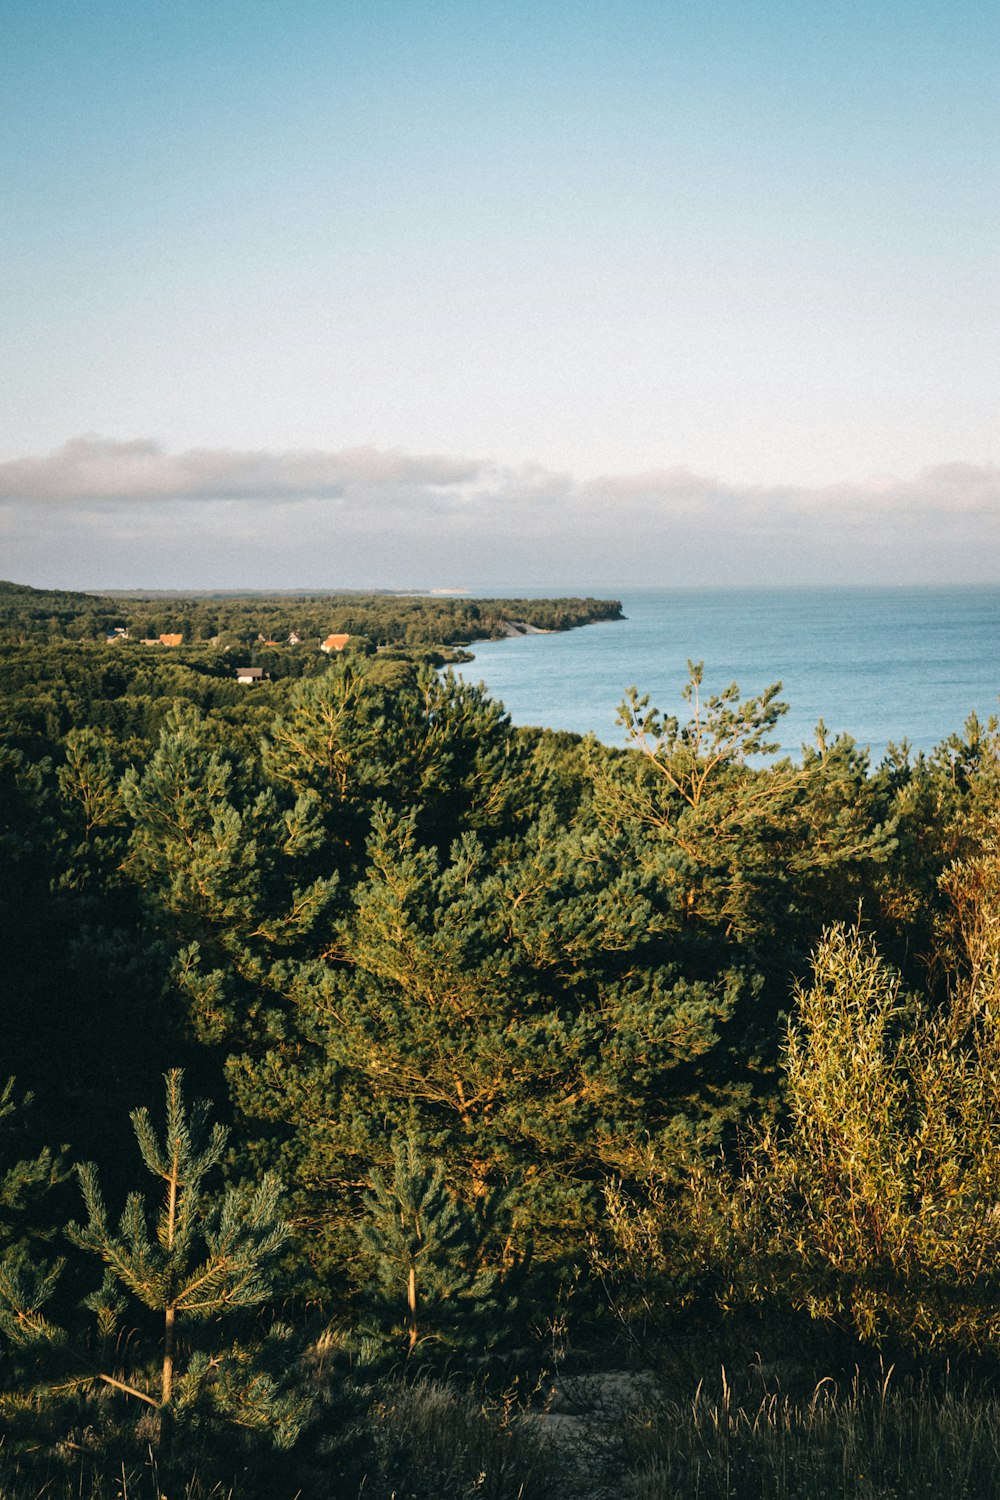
<point x="743" y="862"/>
<point x="745" y="852"/>
<point x="220" y="864"/>
<point x="440" y="1276"/>
<point x="517" y="1007"/>
<point x="430" y="742"/>
<point x="209" y="1255"/>
<point x="28" y="1272"/>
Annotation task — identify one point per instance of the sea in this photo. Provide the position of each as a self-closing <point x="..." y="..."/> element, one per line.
<point x="881" y="665"/>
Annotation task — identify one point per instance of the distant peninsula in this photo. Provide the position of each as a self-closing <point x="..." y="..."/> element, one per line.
<point x="250" y="621"/>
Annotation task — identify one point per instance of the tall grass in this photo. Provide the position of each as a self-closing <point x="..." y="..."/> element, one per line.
<point x="434" y="1442"/>
<point x="423" y="1440"/>
<point x="865" y="1443"/>
<point x="96" y="1479"/>
<point x="429" y="1440"/>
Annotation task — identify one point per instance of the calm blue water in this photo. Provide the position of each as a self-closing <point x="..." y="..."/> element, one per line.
<point x="880" y="665"/>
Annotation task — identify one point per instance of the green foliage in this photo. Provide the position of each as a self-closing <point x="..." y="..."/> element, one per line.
<point x="876" y="1205"/>
<point x="444" y="1272"/>
<point x="351" y="739"/>
<point x="27" y="612"/>
<point x="21" y="1180"/>
<point x="722" y="732"/>
<point x="209" y="1255"/>
<point x="520" y="1045"/>
<point x="219" y="866"/>
<point x="753" y="854"/>
<point x="80" y="980"/>
<point x="28" y="1270"/>
<point x="361" y="901"/>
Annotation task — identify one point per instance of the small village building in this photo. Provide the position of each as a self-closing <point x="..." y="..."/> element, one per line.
<point x="171" y="640"/>
<point x="249" y="675"/>
<point x="334" y="643"/>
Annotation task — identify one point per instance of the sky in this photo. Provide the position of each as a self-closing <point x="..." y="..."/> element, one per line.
<point x="467" y="293"/>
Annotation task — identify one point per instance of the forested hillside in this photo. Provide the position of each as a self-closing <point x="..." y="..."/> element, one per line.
<point x="516" y="1044"/>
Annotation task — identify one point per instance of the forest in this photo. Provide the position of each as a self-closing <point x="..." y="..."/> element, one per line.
<point x="397" y="1102"/>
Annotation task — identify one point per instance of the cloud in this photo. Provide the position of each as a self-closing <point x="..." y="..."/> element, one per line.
<point x="100" y="469"/>
<point x="122" y="511"/>
<point x="663" y="485"/>
<point x="953" y="488"/>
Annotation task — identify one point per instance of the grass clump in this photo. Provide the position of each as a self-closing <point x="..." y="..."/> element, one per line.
<point x="436" y="1442"/>
<point x="865" y="1443"/>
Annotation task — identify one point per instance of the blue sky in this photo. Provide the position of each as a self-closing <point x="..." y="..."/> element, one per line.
<point x="452" y="293"/>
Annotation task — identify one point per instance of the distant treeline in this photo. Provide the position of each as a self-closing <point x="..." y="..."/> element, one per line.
<point x="230" y="621"/>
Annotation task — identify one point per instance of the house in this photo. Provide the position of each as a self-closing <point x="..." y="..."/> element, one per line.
<point x="118" y="634"/>
<point x="294" y="639"/>
<point x="334" y="643"/>
<point x="249" y="675"/>
<point x="171" y="640"/>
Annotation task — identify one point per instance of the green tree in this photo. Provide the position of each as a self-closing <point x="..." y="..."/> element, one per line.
<point x="28" y="1271"/>
<point x="225" y="873"/>
<point x="511" y="1004"/>
<point x="209" y="1255"/>
<point x="743" y="862"/>
<point x="441" y="1275"/>
<point x="743" y="850"/>
<point x="354" y="737"/>
<point x="945" y="806"/>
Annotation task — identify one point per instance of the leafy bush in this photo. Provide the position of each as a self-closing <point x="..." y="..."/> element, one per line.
<point x="877" y="1204"/>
